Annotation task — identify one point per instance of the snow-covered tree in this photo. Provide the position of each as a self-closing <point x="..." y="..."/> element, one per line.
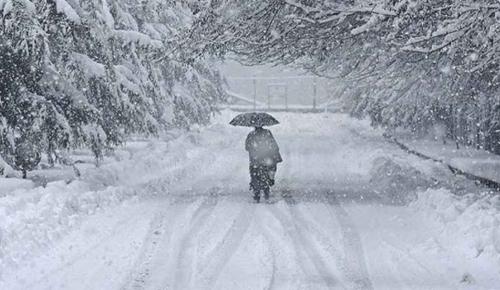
<point x="405" y="63"/>
<point x="87" y="73"/>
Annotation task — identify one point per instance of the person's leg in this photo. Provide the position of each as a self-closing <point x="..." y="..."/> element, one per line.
<point x="256" y="195"/>
<point x="266" y="181"/>
<point x="254" y="182"/>
<point x="271" y="174"/>
<point x="266" y="192"/>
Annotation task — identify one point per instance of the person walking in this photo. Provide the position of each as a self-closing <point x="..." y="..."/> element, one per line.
<point x="263" y="151"/>
<point x="264" y="156"/>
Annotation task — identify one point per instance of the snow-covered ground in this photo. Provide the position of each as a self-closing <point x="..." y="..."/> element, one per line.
<point x="350" y="211"/>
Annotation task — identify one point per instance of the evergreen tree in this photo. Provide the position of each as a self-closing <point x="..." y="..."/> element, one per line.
<point x="89" y="73"/>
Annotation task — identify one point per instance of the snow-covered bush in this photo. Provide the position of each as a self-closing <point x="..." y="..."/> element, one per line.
<point x="5" y="168"/>
<point x="27" y="156"/>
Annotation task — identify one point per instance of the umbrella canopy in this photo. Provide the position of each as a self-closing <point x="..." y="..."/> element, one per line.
<point x="254" y="120"/>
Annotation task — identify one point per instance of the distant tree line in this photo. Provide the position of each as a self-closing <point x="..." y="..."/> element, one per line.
<point x="88" y="73"/>
<point x="404" y="63"/>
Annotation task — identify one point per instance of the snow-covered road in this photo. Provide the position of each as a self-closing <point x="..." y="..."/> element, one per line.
<point x="334" y="221"/>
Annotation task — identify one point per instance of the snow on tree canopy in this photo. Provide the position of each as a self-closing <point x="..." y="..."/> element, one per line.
<point x="89" y="67"/>
<point x="65" y="7"/>
<point x="7" y="6"/>
<point x="411" y="64"/>
<point x="95" y="65"/>
<point x="138" y="37"/>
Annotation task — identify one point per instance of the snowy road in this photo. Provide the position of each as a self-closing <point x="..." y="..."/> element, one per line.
<point x="327" y="227"/>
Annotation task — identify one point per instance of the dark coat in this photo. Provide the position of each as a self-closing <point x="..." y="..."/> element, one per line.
<point x="262" y="148"/>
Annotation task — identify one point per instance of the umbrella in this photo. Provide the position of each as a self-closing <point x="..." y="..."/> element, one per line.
<point x="254" y="120"/>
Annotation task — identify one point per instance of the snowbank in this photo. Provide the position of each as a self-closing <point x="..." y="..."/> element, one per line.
<point x="40" y="216"/>
<point x="9" y="185"/>
<point x="468" y="224"/>
<point x="397" y="181"/>
<point x="33" y="219"/>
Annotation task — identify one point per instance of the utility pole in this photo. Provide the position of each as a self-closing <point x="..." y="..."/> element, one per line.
<point x="268" y="97"/>
<point x="286" y="98"/>
<point x="329" y="95"/>
<point x="254" y="93"/>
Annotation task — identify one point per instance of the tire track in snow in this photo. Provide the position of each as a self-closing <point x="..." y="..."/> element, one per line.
<point x="354" y="262"/>
<point x="272" y="279"/>
<point x="227" y="247"/>
<point x="268" y="237"/>
<point x="120" y="226"/>
<point x="153" y="248"/>
<point x="290" y="231"/>
<point x="318" y="233"/>
<point x="158" y="232"/>
<point x="138" y="278"/>
<point x="304" y="248"/>
<point x="183" y="260"/>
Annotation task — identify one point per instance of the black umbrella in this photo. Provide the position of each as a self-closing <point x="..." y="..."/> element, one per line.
<point x="254" y="120"/>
